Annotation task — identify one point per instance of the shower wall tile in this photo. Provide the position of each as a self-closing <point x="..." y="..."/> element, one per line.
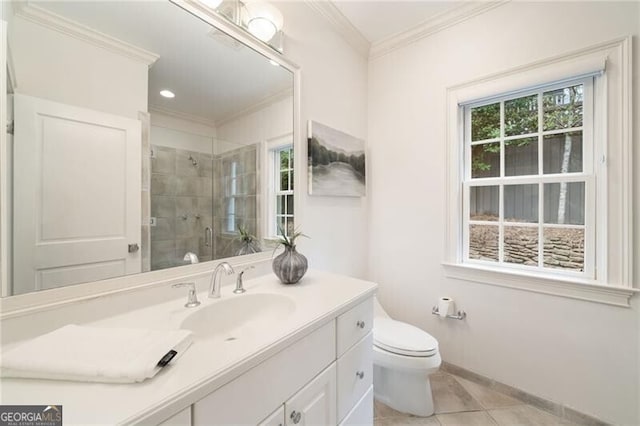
<point x="205" y="205"/>
<point x="205" y="187"/>
<point x="186" y="185"/>
<point x="186" y="205"/>
<point x="186" y="228"/>
<point x="185" y="245"/>
<point x="163" y="184"/>
<point x="164" y="161"/>
<point x="163" y="206"/>
<point x="164" y="230"/>
<point x="205" y="168"/>
<point x="184" y="163"/>
<point x="162" y="252"/>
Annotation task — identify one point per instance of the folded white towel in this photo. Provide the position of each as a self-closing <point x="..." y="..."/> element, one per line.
<point x="92" y="354"/>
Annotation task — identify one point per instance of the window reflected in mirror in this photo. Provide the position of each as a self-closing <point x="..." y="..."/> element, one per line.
<point x="138" y="147"/>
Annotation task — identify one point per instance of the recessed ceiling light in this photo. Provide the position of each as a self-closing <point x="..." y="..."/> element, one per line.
<point x="167" y="93"/>
<point x="274" y="63"/>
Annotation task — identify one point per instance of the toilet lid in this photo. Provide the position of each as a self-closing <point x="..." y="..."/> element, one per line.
<point x="402" y="338"/>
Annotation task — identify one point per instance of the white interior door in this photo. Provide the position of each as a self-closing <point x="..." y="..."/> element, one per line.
<point x="76" y="195"/>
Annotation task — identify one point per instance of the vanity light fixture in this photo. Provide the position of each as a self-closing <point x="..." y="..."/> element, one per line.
<point x="167" y="94"/>
<point x="262" y="19"/>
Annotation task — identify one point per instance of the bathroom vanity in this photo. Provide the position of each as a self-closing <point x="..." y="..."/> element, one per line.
<point x="276" y="355"/>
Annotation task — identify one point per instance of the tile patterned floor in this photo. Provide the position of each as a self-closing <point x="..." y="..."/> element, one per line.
<point x="459" y="402"/>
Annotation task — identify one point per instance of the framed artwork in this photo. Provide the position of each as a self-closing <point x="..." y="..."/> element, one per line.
<point x="336" y="162"/>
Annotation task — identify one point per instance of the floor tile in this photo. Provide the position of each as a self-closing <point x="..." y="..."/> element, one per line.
<point x="525" y="415"/>
<point x="488" y="398"/>
<point x="450" y="397"/>
<point x="407" y="421"/>
<point x="469" y="418"/>
<point x="381" y="410"/>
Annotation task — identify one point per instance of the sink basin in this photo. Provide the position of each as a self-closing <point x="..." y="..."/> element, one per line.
<point x="235" y="317"/>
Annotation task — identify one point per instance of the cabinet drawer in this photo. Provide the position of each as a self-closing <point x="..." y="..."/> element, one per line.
<point x="362" y="413"/>
<point x="354" y="325"/>
<point x="251" y="397"/>
<point x="355" y="374"/>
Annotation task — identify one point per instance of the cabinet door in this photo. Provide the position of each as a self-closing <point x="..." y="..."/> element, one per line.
<point x="275" y="419"/>
<point x="183" y="418"/>
<point x="315" y="404"/>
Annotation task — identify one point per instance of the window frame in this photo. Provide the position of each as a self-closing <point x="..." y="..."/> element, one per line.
<point x="614" y="124"/>
<point x="277" y="171"/>
<point x="269" y="176"/>
<point x="587" y="175"/>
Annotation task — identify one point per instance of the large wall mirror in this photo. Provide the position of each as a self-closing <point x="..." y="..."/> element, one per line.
<point x="143" y="138"/>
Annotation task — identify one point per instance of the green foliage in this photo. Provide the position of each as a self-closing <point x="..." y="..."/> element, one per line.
<point x="287" y="241"/>
<point x="245" y="236"/>
<point x="562" y="109"/>
<point x="521" y="116"/>
<point x="485" y="122"/>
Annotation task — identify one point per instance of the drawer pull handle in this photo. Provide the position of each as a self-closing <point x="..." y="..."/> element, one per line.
<point x="360" y="374"/>
<point x="296" y="416"/>
<point x="360" y="324"/>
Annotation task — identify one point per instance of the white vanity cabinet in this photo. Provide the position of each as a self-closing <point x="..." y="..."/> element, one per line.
<point x="322" y="379"/>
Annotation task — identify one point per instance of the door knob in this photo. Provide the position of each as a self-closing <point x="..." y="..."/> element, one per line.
<point x="134" y="247"/>
<point x="360" y="324"/>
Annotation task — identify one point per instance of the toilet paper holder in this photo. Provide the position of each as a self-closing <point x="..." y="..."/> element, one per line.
<point x="461" y="314"/>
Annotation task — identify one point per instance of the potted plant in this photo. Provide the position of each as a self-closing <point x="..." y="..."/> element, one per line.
<point x="249" y="242"/>
<point x="290" y="266"/>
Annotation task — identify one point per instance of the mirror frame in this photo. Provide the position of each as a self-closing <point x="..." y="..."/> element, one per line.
<point x="24" y="304"/>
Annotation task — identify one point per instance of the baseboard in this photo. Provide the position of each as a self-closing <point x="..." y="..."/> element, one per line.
<point x="554" y="408"/>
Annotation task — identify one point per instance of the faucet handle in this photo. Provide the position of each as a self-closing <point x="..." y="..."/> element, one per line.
<point x="192" y="300"/>
<point x="239" y="286"/>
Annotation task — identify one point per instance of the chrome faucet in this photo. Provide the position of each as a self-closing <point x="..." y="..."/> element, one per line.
<point x="239" y="285"/>
<point x="215" y="284"/>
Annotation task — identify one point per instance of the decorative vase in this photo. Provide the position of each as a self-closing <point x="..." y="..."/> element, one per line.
<point x="290" y="266"/>
<point x="249" y="247"/>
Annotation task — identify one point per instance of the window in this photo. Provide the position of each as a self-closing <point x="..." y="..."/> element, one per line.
<point x="283" y="190"/>
<point x="539" y="177"/>
<point x="529" y="182"/>
<point x="231" y="193"/>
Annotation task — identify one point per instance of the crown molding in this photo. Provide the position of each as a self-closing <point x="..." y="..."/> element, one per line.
<point x="181" y="115"/>
<point x="265" y="102"/>
<point x="341" y="25"/>
<point x="45" y="18"/>
<point x="433" y="25"/>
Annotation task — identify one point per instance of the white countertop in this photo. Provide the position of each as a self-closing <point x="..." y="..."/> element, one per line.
<point x="204" y="367"/>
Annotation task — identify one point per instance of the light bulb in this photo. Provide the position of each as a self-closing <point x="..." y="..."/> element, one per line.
<point x="262" y="28"/>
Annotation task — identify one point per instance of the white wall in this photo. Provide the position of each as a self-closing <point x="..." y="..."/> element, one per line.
<point x="581" y="354"/>
<point x="334" y="92"/>
<point x="182" y="134"/>
<point x="271" y="121"/>
<point x="61" y="68"/>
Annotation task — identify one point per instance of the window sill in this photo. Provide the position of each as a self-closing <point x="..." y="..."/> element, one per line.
<point x="557" y="286"/>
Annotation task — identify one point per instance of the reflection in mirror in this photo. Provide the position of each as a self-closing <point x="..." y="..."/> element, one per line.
<point x="138" y="145"/>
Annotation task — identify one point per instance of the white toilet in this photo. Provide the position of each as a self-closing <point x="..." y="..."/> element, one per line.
<point x="403" y="358"/>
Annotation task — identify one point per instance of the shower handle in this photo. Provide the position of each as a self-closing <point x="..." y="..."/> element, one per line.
<point x="208" y="236"/>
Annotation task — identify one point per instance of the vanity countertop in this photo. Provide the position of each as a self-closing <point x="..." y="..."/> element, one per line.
<point x="205" y="366"/>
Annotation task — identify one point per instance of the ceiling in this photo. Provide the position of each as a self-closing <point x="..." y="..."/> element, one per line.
<point x="212" y="75"/>
<point x="378" y="20"/>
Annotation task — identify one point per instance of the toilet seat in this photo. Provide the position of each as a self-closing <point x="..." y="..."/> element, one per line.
<point x="402" y="338"/>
